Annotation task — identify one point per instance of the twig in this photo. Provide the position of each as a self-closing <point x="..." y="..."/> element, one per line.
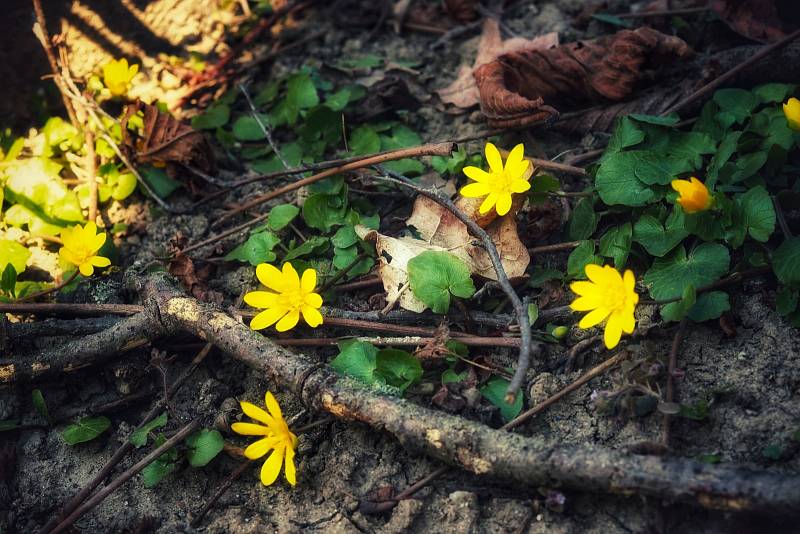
<point x="432" y="149"/>
<point x="719" y="80"/>
<point x="393" y="302"/>
<point x="49" y="290"/>
<point x="74" y="309"/>
<point x="662" y="13"/>
<point x="577" y="348"/>
<point x="342" y="273"/>
<point x="40" y="30"/>
<point x="266" y="131"/>
<point x="91" y="174"/>
<point x="552" y="165"/>
<point x="127" y="475"/>
<point x="557" y="247"/>
<point x="407" y="341"/>
<point x="355" y="285"/>
<point x="226" y="484"/>
<point x="520" y="309"/>
<point x="672" y="365"/>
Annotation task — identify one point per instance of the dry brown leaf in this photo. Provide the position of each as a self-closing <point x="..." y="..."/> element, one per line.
<point x="760" y="20"/>
<point x="463" y="92"/>
<point x="513" y="88"/>
<point x="440" y="230"/>
<point x="166" y="140"/>
<point x="462" y="10"/>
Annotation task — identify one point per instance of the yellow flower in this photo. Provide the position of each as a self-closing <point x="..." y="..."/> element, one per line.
<point x="277" y="438"/>
<point x="80" y="248"/>
<point x="792" y="111"/>
<point x="607" y="294"/>
<point x="292" y="296"/>
<point x="498" y="184"/>
<point x="117" y="76"/>
<point x="694" y="195"/>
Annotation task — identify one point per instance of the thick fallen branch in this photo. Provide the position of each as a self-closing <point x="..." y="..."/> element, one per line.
<point x="528" y="461"/>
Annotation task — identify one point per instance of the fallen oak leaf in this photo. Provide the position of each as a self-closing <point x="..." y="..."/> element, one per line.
<point x="166" y="140"/>
<point x="463" y="91"/>
<point x="514" y="87"/>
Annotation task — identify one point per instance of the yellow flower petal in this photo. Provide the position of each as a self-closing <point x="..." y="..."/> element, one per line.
<point x="289" y="468"/>
<point x="520" y="186"/>
<point x="628" y="322"/>
<point x="313" y="299"/>
<point x="493" y="158"/>
<point x="503" y="203"/>
<point x="312" y="316"/>
<point x="259" y="448"/>
<point x="98" y="241"/>
<point x="595" y="273"/>
<point x="288" y="321"/>
<point x="613" y="331"/>
<point x="267" y="318"/>
<point x="272" y="406"/>
<point x="270" y="276"/>
<point x="99" y="261"/>
<point x="488" y="203"/>
<point x="586" y="303"/>
<point x="791" y="110"/>
<point x="290" y="277"/>
<point x="594" y="317"/>
<point x="475" y="190"/>
<point x="254" y="412"/>
<point x="477" y="174"/>
<point x="630" y="281"/>
<point x="309" y="281"/>
<point x="86" y="269"/>
<point x="261" y="299"/>
<point x="251" y="429"/>
<point x="68" y="256"/>
<point x="272" y="467"/>
<point x="516" y="158"/>
<point x="583" y="288"/>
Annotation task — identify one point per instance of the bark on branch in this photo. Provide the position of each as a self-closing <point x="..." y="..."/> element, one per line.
<point x="528" y="461"/>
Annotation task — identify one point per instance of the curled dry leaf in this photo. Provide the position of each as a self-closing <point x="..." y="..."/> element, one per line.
<point x="463" y="92"/>
<point x="514" y="88"/>
<point x="760" y="20"/>
<point x="440" y="230"/>
<point x="166" y="140"/>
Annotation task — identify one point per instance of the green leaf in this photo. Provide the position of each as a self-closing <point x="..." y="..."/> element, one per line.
<point x="580" y="258"/>
<point x="246" y="128"/>
<point x="162" y="466"/>
<point x="86" y="429"/>
<point x="122" y="185"/>
<point x="697" y="411"/>
<point x="301" y="94"/>
<point x="345" y="237"/>
<point x="785" y="301"/>
<point x="758" y="213"/>
<point x="709" y="305"/>
<point x="364" y="62"/>
<point x="215" y="116"/>
<point x="338" y="101"/>
<point x="434" y="276"/>
<point x="727" y="148"/>
<point x="495" y="392"/>
<point x="668" y="276"/>
<point x="616" y="244"/>
<point x="364" y="140"/>
<point x="658" y="239"/>
<point x="612" y="19"/>
<point x="772" y="125"/>
<point x="582" y="221"/>
<point x="8" y="424"/>
<point x="541" y="184"/>
<point x="8" y="281"/>
<point x="14" y="254"/>
<point x="533" y="313"/>
<point x="736" y="104"/>
<point x="402" y="137"/>
<point x="323" y="212"/>
<point x="281" y="215"/>
<point x="158" y="180"/>
<point x="357" y="359"/>
<point x="626" y="134"/>
<point x="204" y="445"/>
<point x="658" y="120"/>
<point x="773" y="451"/>
<point x="786" y="262"/>
<point x="773" y="92"/>
<point x="257" y="249"/>
<point x="747" y="165"/>
<point x="675" y="311"/>
<point x="617" y="182"/>
<point x="399" y="368"/>
<point x="138" y="437"/>
<point x="39" y="404"/>
<point x="312" y="245"/>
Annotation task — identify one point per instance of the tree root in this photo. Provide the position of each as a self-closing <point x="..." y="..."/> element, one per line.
<point x="526" y="461"/>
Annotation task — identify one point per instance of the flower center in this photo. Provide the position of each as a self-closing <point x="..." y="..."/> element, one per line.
<point x="292" y="299"/>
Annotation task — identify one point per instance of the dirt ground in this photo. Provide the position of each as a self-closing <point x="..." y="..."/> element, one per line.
<point x="755" y="374"/>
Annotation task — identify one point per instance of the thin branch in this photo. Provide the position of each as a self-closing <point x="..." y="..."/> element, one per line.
<point x="557" y="247"/>
<point x="406" y="341"/>
<point x="49" y="290"/>
<point x="672" y="365"/>
<point x="127" y="475"/>
<point x="520" y="309"/>
<point x="91" y="174"/>
<point x="266" y="131"/>
<point x="73" y="309"/>
<point x="719" y="80"/>
<point x="40" y="30"/>
<point x="342" y="273"/>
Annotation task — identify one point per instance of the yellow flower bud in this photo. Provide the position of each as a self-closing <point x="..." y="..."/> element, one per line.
<point x="694" y="196"/>
<point x="791" y="109"/>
